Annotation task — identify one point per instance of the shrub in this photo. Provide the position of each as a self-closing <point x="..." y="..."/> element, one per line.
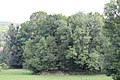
<point x="3" y="66"/>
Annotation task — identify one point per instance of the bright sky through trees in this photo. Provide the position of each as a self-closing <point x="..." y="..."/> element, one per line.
<point x="19" y="10"/>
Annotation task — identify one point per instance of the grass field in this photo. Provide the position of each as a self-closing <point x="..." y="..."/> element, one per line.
<point x="26" y="75"/>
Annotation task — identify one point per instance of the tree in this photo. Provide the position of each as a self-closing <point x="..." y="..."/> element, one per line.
<point x="88" y="40"/>
<point x="112" y="26"/>
<point x="57" y="42"/>
<point x="45" y="43"/>
<point x="13" y="48"/>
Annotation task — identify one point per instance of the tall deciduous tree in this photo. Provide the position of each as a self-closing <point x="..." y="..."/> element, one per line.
<point x="88" y="40"/>
<point x="112" y="26"/>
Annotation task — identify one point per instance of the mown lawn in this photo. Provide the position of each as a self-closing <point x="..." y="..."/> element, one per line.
<point x="26" y="75"/>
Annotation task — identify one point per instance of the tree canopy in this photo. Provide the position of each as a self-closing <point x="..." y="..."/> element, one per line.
<point x="82" y="42"/>
<point x="57" y="42"/>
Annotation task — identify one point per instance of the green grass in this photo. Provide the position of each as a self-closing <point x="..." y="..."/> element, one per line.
<point x="26" y="75"/>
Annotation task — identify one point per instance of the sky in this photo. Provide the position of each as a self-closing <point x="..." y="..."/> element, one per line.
<point x="19" y="11"/>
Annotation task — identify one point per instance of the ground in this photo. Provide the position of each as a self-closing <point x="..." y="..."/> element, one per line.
<point x="21" y="74"/>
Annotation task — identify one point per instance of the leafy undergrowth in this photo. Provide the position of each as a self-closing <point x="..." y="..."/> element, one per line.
<point x="21" y="74"/>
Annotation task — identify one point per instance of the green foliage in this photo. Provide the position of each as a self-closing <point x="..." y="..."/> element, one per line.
<point x="56" y="42"/>
<point x="87" y="39"/>
<point x="112" y="26"/>
<point x="80" y="42"/>
<point x="3" y="31"/>
<point x="3" y="66"/>
<point x="13" y="48"/>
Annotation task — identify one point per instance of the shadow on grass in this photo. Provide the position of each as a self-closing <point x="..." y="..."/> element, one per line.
<point x="27" y="72"/>
<point x="15" y="72"/>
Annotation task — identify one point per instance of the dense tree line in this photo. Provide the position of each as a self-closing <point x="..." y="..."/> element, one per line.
<point x="57" y="42"/>
<point x="80" y="42"/>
